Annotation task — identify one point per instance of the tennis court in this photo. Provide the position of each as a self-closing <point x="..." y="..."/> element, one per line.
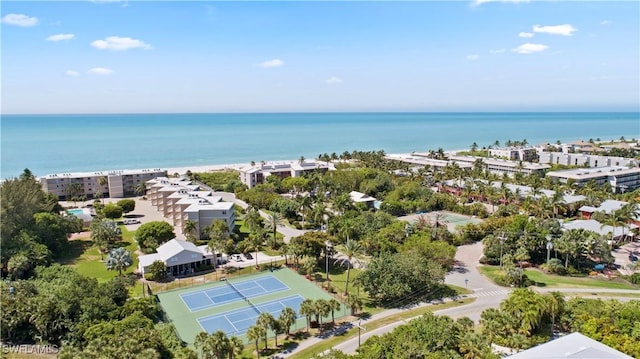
<point x="234" y="305"/>
<point x="236" y="322"/>
<point x="207" y="298"/>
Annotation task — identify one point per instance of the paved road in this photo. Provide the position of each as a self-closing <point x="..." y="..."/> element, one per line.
<point x="464" y="274"/>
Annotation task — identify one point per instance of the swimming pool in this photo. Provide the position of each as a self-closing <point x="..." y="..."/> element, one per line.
<point x="75" y="211"/>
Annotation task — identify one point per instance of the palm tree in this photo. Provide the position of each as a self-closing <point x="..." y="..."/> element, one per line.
<point x="351" y="249"/>
<point x="471" y="344"/>
<point x="102" y="181"/>
<point x="321" y="309"/>
<point x="615" y="219"/>
<point x="627" y="213"/>
<point x="203" y="344"/>
<point x="72" y="191"/>
<point x="189" y="229"/>
<point x="307" y="308"/>
<point x="104" y="232"/>
<point x="274" y="220"/>
<point x="264" y="321"/>
<point x="527" y="306"/>
<point x="236" y="346"/>
<point x="308" y="267"/>
<point x="284" y="252"/>
<point x="355" y="303"/>
<point x="252" y="219"/>
<point x="334" y="306"/>
<point x="255" y="242"/>
<point x="568" y="244"/>
<point x="255" y="333"/>
<point x="287" y="318"/>
<point x="119" y="258"/>
<point x="555" y="306"/>
<point x="140" y="189"/>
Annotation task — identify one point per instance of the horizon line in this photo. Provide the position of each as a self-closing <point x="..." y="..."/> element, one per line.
<point x="305" y="112"/>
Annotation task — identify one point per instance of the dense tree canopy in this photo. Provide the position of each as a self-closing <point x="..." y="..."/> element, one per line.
<point x="150" y="235"/>
<point x="32" y="231"/>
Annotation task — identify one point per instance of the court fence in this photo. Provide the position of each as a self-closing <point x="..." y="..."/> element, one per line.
<point x="223" y="273"/>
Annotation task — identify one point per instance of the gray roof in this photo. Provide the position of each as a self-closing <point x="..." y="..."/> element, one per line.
<point x="574" y="346"/>
<point x="595" y="226"/>
<point x="174" y="247"/>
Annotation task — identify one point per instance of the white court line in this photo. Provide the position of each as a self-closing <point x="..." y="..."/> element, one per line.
<point x="199" y="307"/>
<point x="235" y="329"/>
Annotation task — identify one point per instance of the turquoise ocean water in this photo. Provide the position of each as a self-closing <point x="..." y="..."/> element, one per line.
<point x="69" y="143"/>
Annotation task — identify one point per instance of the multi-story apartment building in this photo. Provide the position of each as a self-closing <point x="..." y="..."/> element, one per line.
<point x="581" y="159"/>
<point x="500" y="166"/>
<point x="180" y="201"/>
<point x="515" y="153"/>
<point x="256" y="175"/>
<point x="114" y="184"/>
<point x="621" y="179"/>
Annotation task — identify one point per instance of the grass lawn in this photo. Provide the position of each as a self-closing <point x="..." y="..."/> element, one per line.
<point x="547" y="280"/>
<point x="85" y="258"/>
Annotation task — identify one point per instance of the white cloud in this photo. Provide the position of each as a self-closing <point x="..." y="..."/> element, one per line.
<point x="20" y="20"/>
<point x="473" y="57"/>
<point x="100" y="71"/>
<point x="605" y="22"/>
<point x="526" y="34"/>
<point x="60" y="37"/>
<point x="271" y="63"/>
<point x="116" y="43"/>
<point x="480" y="2"/>
<point x="529" y="48"/>
<point x="72" y="73"/>
<point x="564" y="30"/>
<point x="497" y="51"/>
<point x="333" y="80"/>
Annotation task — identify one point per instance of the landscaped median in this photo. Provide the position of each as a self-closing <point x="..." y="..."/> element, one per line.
<point x="547" y="280"/>
<point x="333" y="341"/>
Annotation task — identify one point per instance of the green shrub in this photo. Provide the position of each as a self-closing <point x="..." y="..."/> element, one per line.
<point x="635" y="278"/>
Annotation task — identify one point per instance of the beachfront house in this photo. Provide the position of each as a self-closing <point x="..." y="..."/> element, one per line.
<point x="180" y="201"/>
<point x="181" y="258"/>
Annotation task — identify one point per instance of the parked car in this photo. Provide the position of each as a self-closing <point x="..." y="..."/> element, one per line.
<point x="236" y="257"/>
<point x="633" y="258"/>
<point x="248" y="256"/>
<point x="130" y="221"/>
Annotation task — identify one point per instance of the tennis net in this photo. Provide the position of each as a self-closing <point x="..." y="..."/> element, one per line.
<point x="243" y="297"/>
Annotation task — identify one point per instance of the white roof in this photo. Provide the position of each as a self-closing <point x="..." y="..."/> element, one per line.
<point x="360" y="197"/>
<point x="147" y="259"/>
<point x="209" y="206"/>
<point x="574" y="346"/>
<point x="607" y="207"/>
<point x="595" y="226"/>
<point x="105" y="173"/>
<point x="175" y="246"/>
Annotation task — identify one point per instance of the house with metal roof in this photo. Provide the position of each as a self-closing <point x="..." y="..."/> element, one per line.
<point x="181" y="257"/>
<point x="572" y="346"/>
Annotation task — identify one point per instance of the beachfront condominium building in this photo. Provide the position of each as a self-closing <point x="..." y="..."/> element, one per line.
<point x="584" y="160"/>
<point x="256" y="175"/>
<point x="180" y="201"/>
<point x="500" y="166"/>
<point x="114" y="184"/>
<point x="621" y="179"/>
<point x="515" y="153"/>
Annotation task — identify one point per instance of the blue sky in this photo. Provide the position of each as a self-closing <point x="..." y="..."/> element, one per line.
<point x="126" y="57"/>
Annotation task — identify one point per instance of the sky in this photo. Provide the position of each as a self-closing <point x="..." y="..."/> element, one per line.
<point x="108" y="56"/>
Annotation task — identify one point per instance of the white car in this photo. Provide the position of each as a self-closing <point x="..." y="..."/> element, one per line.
<point x="130" y="221"/>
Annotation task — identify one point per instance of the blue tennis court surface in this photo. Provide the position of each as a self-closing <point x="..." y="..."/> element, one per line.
<point x="236" y="322"/>
<point x="207" y="298"/>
